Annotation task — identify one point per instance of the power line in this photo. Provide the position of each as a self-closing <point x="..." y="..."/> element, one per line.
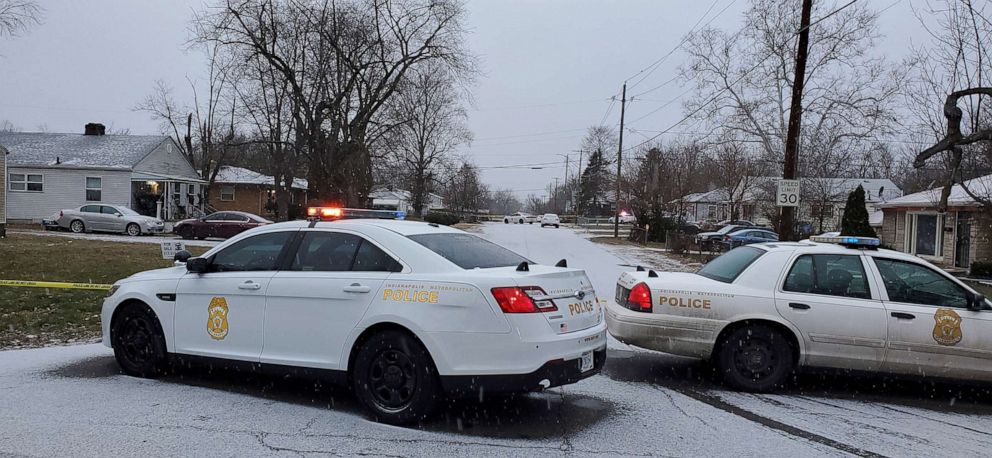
<point x="825" y="17"/>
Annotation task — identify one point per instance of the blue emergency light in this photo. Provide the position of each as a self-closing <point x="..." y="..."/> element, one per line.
<point x="849" y="240"/>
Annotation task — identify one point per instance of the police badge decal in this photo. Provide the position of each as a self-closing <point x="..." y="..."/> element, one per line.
<point x="947" y="329"/>
<point x="217" y="318"/>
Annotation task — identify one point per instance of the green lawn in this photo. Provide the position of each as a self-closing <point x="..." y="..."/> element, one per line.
<point x="32" y="317"/>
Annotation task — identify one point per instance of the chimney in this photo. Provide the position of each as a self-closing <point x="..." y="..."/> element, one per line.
<point x="95" y="128"/>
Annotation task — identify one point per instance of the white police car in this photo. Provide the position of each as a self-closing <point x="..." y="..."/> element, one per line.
<point x="403" y="311"/>
<point x="761" y="310"/>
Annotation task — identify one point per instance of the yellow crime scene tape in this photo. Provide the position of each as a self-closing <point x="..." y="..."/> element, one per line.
<point x="54" y="284"/>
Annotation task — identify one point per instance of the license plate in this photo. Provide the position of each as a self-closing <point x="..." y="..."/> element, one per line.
<point x="586" y="362"/>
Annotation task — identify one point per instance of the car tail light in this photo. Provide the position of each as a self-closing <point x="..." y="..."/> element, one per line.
<point x="640" y="298"/>
<point x="513" y="299"/>
<point x="60" y="214"/>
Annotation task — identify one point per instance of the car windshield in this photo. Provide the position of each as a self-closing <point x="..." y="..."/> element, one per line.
<point x="728" y="229"/>
<point x="729" y="265"/>
<point x="468" y="251"/>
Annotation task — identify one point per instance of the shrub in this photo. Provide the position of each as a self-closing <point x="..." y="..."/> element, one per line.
<point x="855" y="219"/>
<point x="981" y="269"/>
<point x="446" y="219"/>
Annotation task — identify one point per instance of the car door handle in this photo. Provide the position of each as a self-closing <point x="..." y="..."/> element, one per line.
<point x="798" y="306"/>
<point x="356" y="288"/>
<point x="249" y="285"/>
<point x="903" y="316"/>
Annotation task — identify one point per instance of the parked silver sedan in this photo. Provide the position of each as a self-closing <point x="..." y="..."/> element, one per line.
<point x="107" y="218"/>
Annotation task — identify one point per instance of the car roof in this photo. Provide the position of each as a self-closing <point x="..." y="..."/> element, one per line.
<point x="832" y="248"/>
<point x="401" y="227"/>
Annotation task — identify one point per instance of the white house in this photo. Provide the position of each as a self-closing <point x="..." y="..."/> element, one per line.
<point x="48" y="172"/>
<point x="3" y="192"/>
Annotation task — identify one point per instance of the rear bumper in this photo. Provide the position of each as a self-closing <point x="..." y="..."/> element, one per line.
<point x="666" y="333"/>
<point x="551" y="374"/>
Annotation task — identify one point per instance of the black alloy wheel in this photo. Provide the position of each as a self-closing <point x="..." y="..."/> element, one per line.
<point x="138" y="343"/>
<point x="756" y="358"/>
<point x="395" y="378"/>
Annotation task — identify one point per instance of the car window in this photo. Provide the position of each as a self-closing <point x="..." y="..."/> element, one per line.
<point x="218" y="216"/>
<point x="829" y="275"/>
<point x="326" y="252"/>
<point x="917" y="284"/>
<point x="260" y="252"/>
<point x="90" y="209"/>
<point x="728" y="266"/>
<point x="237" y="217"/>
<point x="108" y="210"/>
<point x="372" y="259"/>
<point x="468" y="251"/>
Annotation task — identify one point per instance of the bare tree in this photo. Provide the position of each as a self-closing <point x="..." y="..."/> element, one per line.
<point x="7" y="126"/>
<point x="743" y="83"/>
<point x="430" y="125"/>
<point x="504" y="202"/>
<point x="737" y="169"/>
<point x="17" y="16"/>
<point x="464" y="191"/>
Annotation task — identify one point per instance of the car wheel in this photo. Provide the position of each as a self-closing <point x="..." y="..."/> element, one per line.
<point x="520" y="222"/>
<point x="530" y="222"/>
<point x="77" y="226"/>
<point x="133" y="230"/>
<point x="395" y="378"/>
<point x="756" y="358"/>
<point x="506" y="221"/>
<point x="556" y="226"/>
<point x="138" y="343"/>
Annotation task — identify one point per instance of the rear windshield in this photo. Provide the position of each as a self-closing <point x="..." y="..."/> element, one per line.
<point x="468" y="251"/>
<point x="729" y="265"/>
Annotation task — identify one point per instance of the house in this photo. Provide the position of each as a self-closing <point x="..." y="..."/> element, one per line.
<point x="241" y="189"/>
<point x="952" y="239"/>
<point x="706" y="206"/>
<point x="384" y="199"/>
<point x="47" y="172"/>
<point x="3" y="192"/>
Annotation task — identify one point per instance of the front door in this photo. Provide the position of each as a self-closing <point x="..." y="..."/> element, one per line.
<point x="931" y="331"/>
<point x="220" y="313"/>
<point x="313" y="306"/>
<point x="828" y="297"/>
<point x="112" y="218"/>
<point x="962" y="244"/>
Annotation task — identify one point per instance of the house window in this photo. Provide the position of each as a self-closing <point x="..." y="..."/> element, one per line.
<point x="227" y="193"/>
<point x="925" y="234"/>
<point x="94" y="189"/>
<point x="26" y="182"/>
<point x="190" y="194"/>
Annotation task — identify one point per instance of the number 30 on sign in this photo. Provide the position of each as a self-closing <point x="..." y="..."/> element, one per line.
<point x="788" y="193"/>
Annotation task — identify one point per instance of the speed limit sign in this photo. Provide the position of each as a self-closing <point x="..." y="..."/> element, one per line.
<point x="788" y="193"/>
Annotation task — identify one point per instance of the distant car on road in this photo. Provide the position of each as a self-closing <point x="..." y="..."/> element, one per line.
<point x="519" y="218"/>
<point x="223" y="224"/>
<point x="747" y="237"/>
<point x="107" y="218"/>
<point x="550" y="219"/>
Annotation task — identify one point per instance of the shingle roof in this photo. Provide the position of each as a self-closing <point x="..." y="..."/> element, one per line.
<point x="239" y="175"/>
<point x="77" y="150"/>
<point x="981" y="186"/>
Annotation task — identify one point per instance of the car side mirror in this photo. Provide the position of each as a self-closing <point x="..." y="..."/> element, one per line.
<point x="119" y="214"/>
<point x="182" y="256"/>
<point x="976" y="302"/>
<point x="197" y="265"/>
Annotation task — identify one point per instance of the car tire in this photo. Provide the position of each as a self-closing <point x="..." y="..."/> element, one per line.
<point x="530" y="222"/>
<point x="556" y="226"/>
<point x="520" y="222"/>
<point x="395" y="379"/>
<point x="77" y="226"/>
<point x="138" y="343"/>
<point x="132" y="229"/>
<point x="506" y="221"/>
<point x="756" y="358"/>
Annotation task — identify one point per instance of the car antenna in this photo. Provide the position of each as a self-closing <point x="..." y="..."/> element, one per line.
<point x="652" y="274"/>
<point x="523" y="267"/>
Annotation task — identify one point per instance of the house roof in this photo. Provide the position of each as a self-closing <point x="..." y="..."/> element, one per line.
<point x="718" y="195"/>
<point x="239" y="175"/>
<point x="77" y="150"/>
<point x="981" y="186"/>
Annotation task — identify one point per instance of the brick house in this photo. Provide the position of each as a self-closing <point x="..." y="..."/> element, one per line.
<point x="241" y="189"/>
<point x="952" y="239"/>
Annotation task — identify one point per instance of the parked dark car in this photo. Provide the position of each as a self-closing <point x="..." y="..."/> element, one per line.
<point x="747" y="237"/>
<point x="223" y="224"/>
<point x="710" y="240"/>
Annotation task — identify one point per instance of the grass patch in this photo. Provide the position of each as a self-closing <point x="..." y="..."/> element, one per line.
<point x="31" y="317"/>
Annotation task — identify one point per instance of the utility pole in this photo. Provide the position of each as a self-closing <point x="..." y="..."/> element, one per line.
<point x="554" y="196"/>
<point x="787" y="221"/>
<point x="616" y="211"/>
<point x="567" y="195"/>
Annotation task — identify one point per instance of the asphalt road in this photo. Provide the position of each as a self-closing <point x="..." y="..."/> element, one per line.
<point x="73" y="401"/>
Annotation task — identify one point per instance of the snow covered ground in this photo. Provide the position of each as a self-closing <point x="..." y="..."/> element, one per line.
<point x="64" y="401"/>
<point x="107" y="237"/>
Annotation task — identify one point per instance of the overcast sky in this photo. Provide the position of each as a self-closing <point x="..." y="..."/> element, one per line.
<point x="549" y="69"/>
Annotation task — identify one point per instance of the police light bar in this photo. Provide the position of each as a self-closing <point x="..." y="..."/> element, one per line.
<point x="848" y="240"/>
<point x="334" y="213"/>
